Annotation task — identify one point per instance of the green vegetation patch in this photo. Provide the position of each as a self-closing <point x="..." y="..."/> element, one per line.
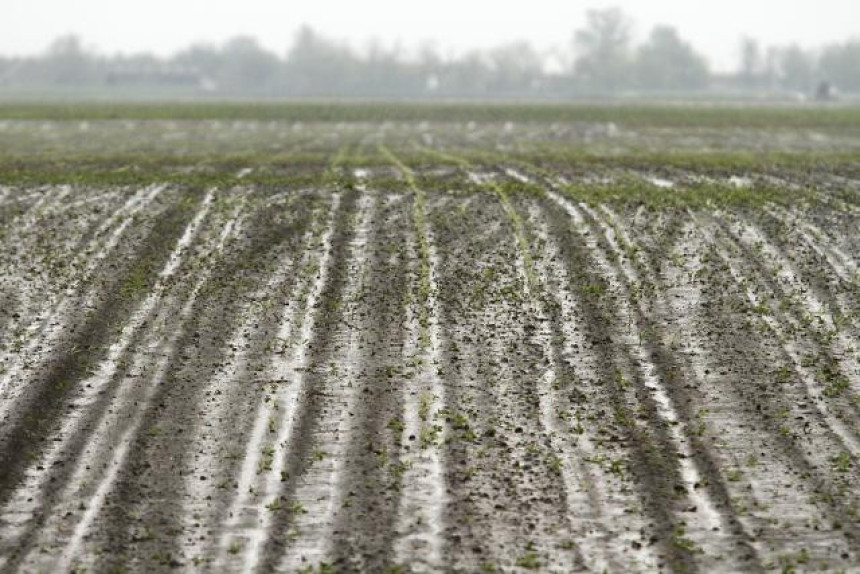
<point x="638" y="115"/>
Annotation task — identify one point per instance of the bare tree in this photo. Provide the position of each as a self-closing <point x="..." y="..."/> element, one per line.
<point x="751" y="61"/>
<point x="796" y="68"/>
<point x="247" y="66"/>
<point x="68" y="63"/>
<point x="666" y="62"/>
<point x="603" y="49"/>
<point x="515" y="67"/>
<point x="840" y="64"/>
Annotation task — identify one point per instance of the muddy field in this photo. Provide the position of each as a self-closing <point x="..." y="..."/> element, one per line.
<point x="414" y="351"/>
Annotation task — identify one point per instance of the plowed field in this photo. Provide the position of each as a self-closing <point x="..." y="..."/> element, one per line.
<point x="412" y="349"/>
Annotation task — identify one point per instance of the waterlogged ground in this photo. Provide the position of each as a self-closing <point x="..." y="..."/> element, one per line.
<point x="413" y="354"/>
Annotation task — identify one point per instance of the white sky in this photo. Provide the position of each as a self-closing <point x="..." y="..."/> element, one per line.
<point x="163" y="26"/>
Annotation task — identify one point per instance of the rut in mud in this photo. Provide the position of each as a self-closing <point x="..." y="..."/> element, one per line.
<point x="400" y="368"/>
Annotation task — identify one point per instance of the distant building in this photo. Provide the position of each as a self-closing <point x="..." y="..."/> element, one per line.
<point x="155" y="75"/>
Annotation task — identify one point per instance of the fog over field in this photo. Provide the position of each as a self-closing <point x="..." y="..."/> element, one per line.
<point x="89" y="48"/>
<point x="127" y="26"/>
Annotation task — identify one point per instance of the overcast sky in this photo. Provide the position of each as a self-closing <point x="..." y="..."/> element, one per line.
<point x="163" y="26"/>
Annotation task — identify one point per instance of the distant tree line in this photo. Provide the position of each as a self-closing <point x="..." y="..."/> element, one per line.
<point x="603" y="59"/>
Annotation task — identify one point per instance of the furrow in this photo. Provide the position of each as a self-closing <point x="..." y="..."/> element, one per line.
<point x="702" y="528"/>
<point x="118" y="465"/>
<point x="733" y="542"/>
<point x="820" y="277"/>
<point x="366" y="522"/>
<point x="753" y="239"/>
<point x="39" y="410"/>
<point x="96" y="487"/>
<point x="42" y="334"/>
<point x="311" y="424"/>
<point x="506" y="505"/>
<point x="830" y="435"/>
<point x="532" y="288"/>
<point x="225" y="402"/>
<point x="244" y="535"/>
<point x="728" y="407"/>
<point x="423" y="498"/>
<point x="775" y="483"/>
<point x="840" y="262"/>
<point x="597" y="500"/>
<point x="322" y="490"/>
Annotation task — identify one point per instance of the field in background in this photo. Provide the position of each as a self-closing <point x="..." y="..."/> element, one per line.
<point x="319" y="338"/>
